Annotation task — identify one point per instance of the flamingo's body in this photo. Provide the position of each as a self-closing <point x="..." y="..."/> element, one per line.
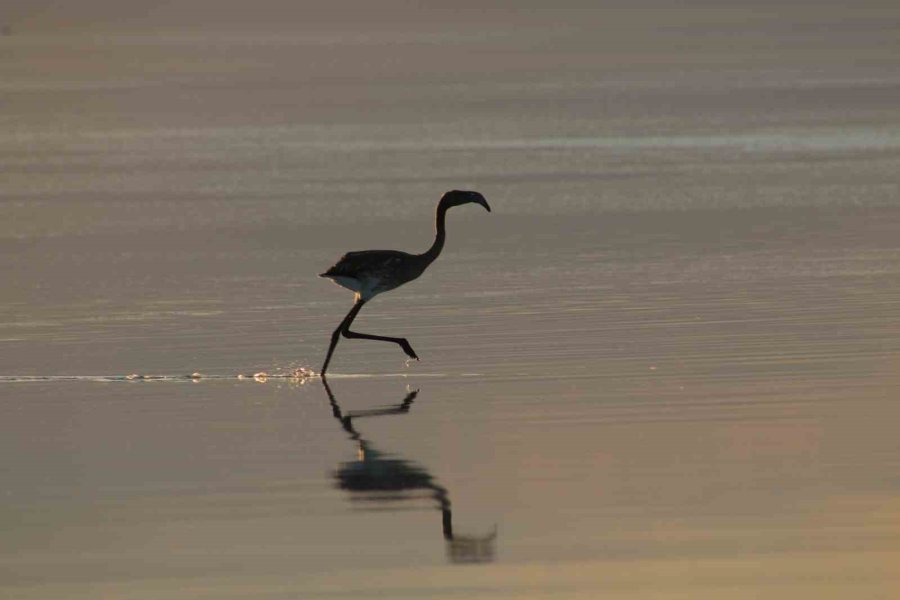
<point x="371" y="272"/>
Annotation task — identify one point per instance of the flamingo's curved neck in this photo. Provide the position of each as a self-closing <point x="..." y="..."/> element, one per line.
<point x="440" y="234"/>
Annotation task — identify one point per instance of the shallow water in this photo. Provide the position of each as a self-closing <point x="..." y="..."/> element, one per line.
<point x="664" y="366"/>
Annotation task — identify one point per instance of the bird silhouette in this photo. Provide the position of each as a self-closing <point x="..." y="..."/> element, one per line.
<point x="371" y="272"/>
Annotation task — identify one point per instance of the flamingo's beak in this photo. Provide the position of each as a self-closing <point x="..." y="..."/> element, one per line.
<point x="479" y="199"/>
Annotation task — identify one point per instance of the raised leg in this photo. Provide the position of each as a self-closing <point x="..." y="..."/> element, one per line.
<point x="344" y="329"/>
<point x="402" y="342"/>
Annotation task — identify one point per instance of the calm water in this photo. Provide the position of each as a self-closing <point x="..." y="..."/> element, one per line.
<point x="665" y="366"/>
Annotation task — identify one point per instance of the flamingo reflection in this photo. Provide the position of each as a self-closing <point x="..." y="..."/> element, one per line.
<point x="380" y="477"/>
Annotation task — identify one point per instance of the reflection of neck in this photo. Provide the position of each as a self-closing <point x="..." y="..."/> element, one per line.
<point x="447" y="522"/>
<point x="443" y="499"/>
<point x="440" y="233"/>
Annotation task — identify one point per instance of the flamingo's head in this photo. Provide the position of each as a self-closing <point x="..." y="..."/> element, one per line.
<point x="458" y="197"/>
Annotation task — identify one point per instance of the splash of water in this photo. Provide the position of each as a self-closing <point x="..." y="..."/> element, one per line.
<point x="297" y="374"/>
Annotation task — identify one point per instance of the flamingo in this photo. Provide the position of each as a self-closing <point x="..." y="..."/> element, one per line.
<point x="371" y="272"/>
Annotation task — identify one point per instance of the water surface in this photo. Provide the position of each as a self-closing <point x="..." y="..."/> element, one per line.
<point x="664" y="366"/>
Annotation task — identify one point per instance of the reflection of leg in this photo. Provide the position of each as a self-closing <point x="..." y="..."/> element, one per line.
<point x="347" y="420"/>
<point x="403" y="407"/>
<point x="342" y="328"/>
